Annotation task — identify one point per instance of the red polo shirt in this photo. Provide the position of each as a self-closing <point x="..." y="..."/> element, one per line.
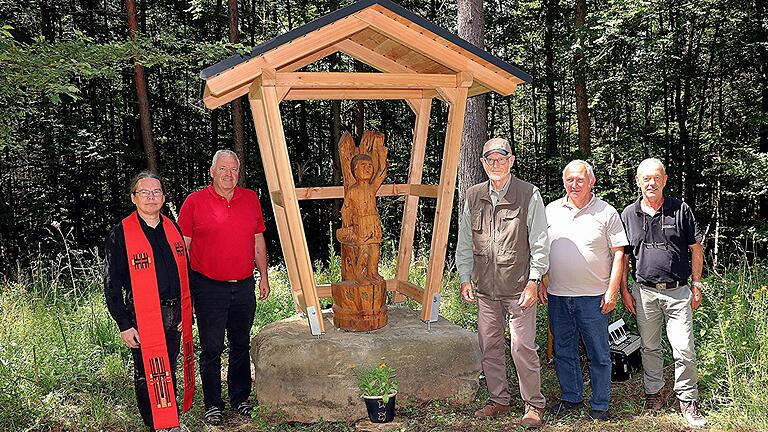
<point x="222" y="232"/>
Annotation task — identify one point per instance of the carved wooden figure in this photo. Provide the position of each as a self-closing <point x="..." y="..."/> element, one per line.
<point x="360" y="299"/>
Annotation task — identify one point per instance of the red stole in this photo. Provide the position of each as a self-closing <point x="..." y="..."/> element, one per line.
<point x="149" y="320"/>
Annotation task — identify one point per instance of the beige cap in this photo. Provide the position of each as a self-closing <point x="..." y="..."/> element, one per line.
<point x="497" y="145"/>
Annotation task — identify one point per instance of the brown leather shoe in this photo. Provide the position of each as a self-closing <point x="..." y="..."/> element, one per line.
<point x="532" y="417"/>
<point x="653" y="401"/>
<point x="493" y="409"/>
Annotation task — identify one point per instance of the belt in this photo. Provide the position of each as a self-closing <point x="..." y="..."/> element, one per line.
<point x="230" y="281"/>
<point x="664" y="285"/>
<point x="170" y="302"/>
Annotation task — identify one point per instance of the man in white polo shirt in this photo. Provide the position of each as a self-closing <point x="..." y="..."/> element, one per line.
<point x="586" y="257"/>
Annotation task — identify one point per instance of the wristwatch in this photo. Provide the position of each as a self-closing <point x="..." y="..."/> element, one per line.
<point x="537" y="281"/>
<point x="698" y="284"/>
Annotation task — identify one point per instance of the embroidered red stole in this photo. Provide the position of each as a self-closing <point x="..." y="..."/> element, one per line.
<point x="149" y="321"/>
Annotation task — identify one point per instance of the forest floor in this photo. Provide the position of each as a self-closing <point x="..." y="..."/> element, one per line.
<point x="627" y="414"/>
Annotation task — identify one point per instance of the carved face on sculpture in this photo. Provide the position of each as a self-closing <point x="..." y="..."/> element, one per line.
<point x="362" y="167"/>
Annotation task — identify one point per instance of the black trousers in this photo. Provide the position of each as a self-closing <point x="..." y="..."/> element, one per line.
<point x="171" y="319"/>
<point x="224" y="307"/>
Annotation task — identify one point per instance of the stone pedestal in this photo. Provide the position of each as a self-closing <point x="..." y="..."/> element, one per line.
<point x="306" y="379"/>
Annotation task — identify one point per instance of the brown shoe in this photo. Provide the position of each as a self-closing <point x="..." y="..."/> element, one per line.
<point x="653" y="401"/>
<point x="532" y="417"/>
<point x="493" y="409"/>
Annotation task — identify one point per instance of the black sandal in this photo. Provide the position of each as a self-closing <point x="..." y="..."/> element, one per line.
<point x="244" y="409"/>
<point x="213" y="416"/>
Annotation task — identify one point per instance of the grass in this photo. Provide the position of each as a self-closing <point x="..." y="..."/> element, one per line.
<point x="63" y="367"/>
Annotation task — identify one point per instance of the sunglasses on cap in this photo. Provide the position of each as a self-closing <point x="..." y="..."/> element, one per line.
<point x="502" y="152"/>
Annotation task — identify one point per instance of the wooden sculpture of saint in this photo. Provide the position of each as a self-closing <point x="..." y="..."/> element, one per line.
<point x="364" y="170"/>
<point x="360" y="299"/>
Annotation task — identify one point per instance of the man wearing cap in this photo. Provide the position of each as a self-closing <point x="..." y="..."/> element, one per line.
<point x="586" y="257"/>
<point x="665" y="249"/>
<point x="501" y="255"/>
<point x="224" y="229"/>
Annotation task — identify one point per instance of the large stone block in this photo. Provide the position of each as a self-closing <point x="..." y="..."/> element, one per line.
<point x="307" y="378"/>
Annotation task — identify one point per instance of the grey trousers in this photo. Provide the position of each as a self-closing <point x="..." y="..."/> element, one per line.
<point x="673" y="307"/>
<point x="493" y="317"/>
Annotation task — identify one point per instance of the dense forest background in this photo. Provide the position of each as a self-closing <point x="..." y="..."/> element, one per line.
<point x="680" y="80"/>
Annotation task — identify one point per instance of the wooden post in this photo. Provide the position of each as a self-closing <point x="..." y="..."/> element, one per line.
<point x="444" y="204"/>
<point x="410" y="210"/>
<point x="278" y="206"/>
<point x="269" y="127"/>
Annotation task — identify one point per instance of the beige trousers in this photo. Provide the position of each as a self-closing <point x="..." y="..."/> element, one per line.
<point x="493" y="317"/>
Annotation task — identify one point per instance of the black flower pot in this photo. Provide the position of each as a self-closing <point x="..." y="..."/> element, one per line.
<point x="378" y="411"/>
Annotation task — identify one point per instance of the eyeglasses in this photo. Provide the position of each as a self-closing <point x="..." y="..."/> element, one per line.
<point x="145" y="193"/>
<point x="496" y="161"/>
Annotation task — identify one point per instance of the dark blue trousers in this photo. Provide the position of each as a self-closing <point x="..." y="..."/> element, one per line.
<point x="572" y="319"/>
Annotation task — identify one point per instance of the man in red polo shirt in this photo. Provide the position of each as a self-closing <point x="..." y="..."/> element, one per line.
<point x="223" y="227"/>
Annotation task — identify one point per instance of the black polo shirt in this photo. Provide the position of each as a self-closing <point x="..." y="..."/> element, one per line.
<point x="658" y="244"/>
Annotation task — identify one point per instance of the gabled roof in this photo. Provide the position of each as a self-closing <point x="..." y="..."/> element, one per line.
<point x="380" y="33"/>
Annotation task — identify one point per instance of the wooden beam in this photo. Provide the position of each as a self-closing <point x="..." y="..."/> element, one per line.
<point x="282" y="92"/>
<point x="444" y="201"/>
<point x="353" y="94"/>
<point x="277" y="198"/>
<point x="371" y="57"/>
<point x="410" y="210"/>
<point x="283" y="55"/>
<point x="307" y="60"/>
<point x="293" y="215"/>
<point x="268" y="162"/>
<point x="447" y="94"/>
<point x="376" y="60"/>
<point x="323" y="291"/>
<point x="438" y="52"/>
<point x="424" y="191"/>
<point x="414" y="292"/>
<point x="270" y="128"/>
<point x="335" y="192"/>
<point x="212" y="102"/>
<point x="360" y="80"/>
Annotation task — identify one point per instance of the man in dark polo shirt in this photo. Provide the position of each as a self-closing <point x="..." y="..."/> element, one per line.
<point x="223" y="227"/>
<point x="665" y="250"/>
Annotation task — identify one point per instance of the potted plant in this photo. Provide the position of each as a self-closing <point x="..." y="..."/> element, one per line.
<point x="378" y="386"/>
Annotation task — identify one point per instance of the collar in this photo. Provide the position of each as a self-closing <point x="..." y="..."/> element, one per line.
<point x="214" y="194"/>
<point x="502" y="193"/>
<point x="145" y="225"/>
<point x="665" y="206"/>
<point x="565" y="203"/>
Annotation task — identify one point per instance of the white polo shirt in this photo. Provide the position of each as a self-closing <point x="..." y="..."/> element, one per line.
<point x="581" y="240"/>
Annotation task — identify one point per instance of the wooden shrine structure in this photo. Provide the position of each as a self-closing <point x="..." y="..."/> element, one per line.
<point x="418" y="62"/>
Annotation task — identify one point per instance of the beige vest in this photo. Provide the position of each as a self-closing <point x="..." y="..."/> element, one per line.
<point x="502" y="255"/>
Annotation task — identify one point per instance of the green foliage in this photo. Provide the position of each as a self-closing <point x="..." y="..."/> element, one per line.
<point x="377" y="381"/>
<point x="732" y="343"/>
<point x="61" y="362"/>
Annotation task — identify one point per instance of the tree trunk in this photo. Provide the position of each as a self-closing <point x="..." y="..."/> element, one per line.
<point x="579" y="76"/>
<point x="237" y="104"/>
<point x="549" y="76"/>
<point x="471" y="27"/>
<point x="141" y="93"/>
<point x="762" y="44"/>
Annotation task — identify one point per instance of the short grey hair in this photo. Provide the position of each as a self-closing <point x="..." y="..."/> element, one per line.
<point x="143" y="175"/>
<point x="646" y="163"/>
<point x="224" y="152"/>
<point x="576" y="162"/>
